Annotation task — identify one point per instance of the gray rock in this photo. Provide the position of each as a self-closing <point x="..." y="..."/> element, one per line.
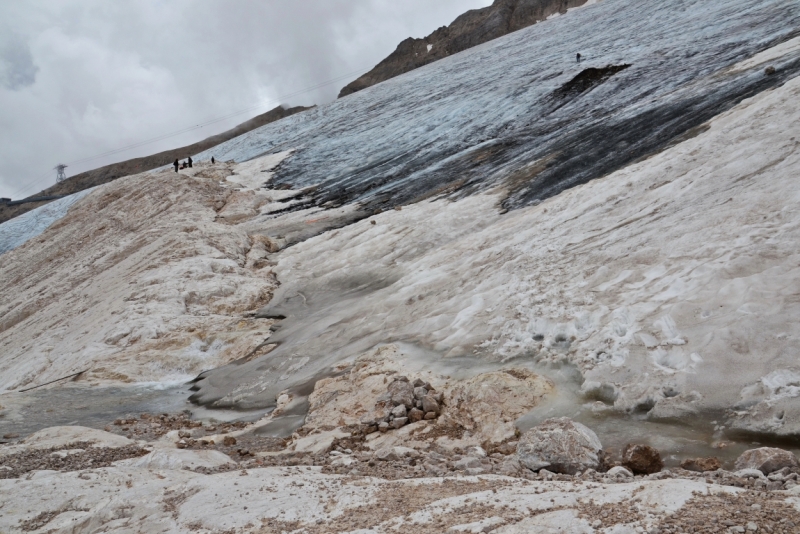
<point x="476" y="452"/>
<point x="619" y="471"/>
<point x="560" y="445"/>
<point x="429" y="404"/>
<point x="510" y="467"/>
<point x="766" y="459"/>
<point x="430" y="415"/>
<point x="383" y="426"/>
<point x="420" y="392"/>
<point x="401" y="393"/>
<point x="399" y="411"/>
<point x="399" y="421"/>
<point x="472" y="471"/>
<point x="749" y="473"/>
<point x="466" y="463"/>
<point x="385" y="455"/>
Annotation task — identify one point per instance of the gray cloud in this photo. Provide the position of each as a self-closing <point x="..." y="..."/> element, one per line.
<point x="17" y="69"/>
<point x="111" y="74"/>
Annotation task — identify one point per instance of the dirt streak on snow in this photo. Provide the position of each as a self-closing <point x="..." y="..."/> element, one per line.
<point x="139" y="282"/>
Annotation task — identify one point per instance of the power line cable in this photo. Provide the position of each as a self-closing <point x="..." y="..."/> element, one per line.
<point x="34" y="184"/>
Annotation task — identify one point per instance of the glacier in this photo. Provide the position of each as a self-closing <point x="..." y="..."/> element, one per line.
<point x="625" y="226"/>
<point x="516" y="111"/>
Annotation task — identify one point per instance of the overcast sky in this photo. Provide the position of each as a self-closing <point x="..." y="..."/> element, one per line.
<point x="79" y="78"/>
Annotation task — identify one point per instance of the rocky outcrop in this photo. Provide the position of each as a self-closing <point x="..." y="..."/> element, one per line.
<point x="766" y="459"/>
<point x="470" y="29"/>
<point x="490" y="402"/>
<point x="561" y="446"/>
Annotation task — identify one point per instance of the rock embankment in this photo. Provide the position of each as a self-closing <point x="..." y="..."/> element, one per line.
<point x="470" y="29"/>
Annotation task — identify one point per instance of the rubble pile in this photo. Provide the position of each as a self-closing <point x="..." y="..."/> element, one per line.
<point x="152" y="426"/>
<point x="404" y="402"/>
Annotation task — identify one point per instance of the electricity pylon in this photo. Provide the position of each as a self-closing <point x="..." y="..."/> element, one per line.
<point x="61" y="176"/>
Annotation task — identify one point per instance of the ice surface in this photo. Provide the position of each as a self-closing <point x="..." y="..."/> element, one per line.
<point x="18" y="230"/>
<point x="494" y="114"/>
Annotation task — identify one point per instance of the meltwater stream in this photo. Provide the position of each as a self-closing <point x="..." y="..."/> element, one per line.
<point x="703" y="435"/>
<point x="96" y="407"/>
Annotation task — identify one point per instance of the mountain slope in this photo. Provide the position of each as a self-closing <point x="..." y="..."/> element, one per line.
<point x="474" y="27"/>
<point x="105" y="174"/>
<point x="524" y="232"/>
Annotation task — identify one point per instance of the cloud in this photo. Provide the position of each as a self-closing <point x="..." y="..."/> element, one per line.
<point x="17" y="69"/>
<point x="91" y="76"/>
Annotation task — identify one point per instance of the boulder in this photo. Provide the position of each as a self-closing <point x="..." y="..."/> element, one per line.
<point x="402" y="393"/>
<point x="466" y="463"/>
<point x="619" y="472"/>
<point x="420" y="392"/>
<point x="749" y="473"/>
<point x="399" y="421"/>
<point x="488" y="404"/>
<point x="560" y="445"/>
<point x="415" y="415"/>
<point x="701" y="465"/>
<point x="429" y="404"/>
<point x="642" y="459"/>
<point x="399" y="411"/>
<point x="766" y="459"/>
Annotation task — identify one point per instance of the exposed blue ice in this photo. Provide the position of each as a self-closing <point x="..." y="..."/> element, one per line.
<point x="477" y="118"/>
<point x="18" y="230"/>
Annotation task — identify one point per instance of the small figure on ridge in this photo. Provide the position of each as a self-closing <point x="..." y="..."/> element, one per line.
<point x="176" y="165"/>
<point x="578" y="57"/>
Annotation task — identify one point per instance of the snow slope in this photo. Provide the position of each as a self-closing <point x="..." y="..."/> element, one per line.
<point x="667" y="284"/>
<point x="671" y="285"/>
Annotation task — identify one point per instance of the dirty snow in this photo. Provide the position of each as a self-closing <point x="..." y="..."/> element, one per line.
<point x="668" y="283"/>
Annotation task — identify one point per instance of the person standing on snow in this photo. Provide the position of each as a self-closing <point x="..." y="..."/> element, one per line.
<point x="212" y="160"/>
<point x="578" y="57"/>
<point x="176" y="165"/>
<point x="189" y="161"/>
